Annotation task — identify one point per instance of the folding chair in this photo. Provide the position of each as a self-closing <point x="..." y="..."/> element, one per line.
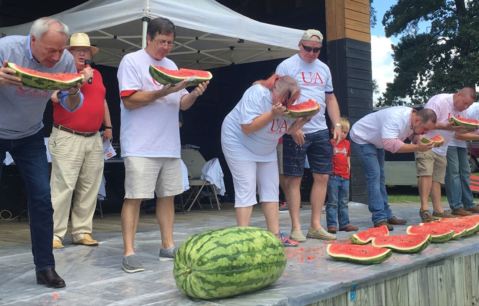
<point x="194" y="161"/>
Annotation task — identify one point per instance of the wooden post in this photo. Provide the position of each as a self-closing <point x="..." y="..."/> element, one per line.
<point x="348" y="37"/>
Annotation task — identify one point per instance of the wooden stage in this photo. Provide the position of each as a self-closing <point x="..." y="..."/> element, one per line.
<point x="443" y="274"/>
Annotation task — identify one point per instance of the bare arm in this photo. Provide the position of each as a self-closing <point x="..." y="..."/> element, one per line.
<point x="332" y="107"/>
<point x="188" y="100"/>
<point x="263" y="119"/>
<point x="108" y="132"/>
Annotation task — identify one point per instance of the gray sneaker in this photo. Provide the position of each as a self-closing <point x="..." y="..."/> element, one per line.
<point x="167" y="254"/>
<point x="131" y="264"/>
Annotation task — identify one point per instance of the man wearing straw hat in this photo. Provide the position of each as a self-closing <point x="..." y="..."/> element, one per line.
<point x="76" y="148"/>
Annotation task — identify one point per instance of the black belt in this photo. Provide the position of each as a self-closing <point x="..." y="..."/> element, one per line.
<point x="64" y="128"/>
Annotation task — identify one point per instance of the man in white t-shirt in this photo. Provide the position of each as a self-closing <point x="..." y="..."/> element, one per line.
<point x="313" y="141"/>
<point x="150" y="138"/>
<point x="431" y="166"/>
<point x="458" y="170"/>
<point x="386" y="130"/>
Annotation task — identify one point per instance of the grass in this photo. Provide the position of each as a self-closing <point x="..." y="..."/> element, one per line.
<point x="406" y="194"/>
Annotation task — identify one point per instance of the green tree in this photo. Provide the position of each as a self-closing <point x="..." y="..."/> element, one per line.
<point x="443" y="58"/>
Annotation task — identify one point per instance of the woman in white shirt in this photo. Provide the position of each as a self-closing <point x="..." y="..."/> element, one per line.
<point x="249" y="136"/>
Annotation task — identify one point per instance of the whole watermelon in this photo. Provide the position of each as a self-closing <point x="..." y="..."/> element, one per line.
<point x="226" y="262"/>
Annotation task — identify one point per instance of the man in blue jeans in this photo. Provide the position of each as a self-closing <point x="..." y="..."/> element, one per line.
<point x="21" y="127"/>
<point x="386" y="130"/>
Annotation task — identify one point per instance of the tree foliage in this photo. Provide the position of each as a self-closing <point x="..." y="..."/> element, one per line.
<point x="443" y="58"/>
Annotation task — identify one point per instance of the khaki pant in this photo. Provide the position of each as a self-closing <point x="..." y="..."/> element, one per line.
<point x="77" y="170"/>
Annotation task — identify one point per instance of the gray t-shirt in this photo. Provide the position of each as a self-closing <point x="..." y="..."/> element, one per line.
<point x="22" y="108"/>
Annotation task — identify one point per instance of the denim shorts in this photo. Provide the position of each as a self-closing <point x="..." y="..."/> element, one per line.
<point x="317" y="147"/>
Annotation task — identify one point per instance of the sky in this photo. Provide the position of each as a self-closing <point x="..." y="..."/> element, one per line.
<point x="381" y="51"/>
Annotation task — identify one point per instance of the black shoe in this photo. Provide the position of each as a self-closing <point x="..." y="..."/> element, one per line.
<point x="381" y="223"/>
<point x="50" y="278"/>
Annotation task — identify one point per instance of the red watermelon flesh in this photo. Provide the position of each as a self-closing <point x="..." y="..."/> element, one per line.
<point x="366" y="236"/>
<point x="169" y="76"/>
<point x="438" y="140"/>
<point x="362" y="254"/>
<point x="462" y="226"/>
<point x="303" y="109"/>
<point x="466" y="122"/>
<point x="439" y="232"/>
<point x="403" y="243"/>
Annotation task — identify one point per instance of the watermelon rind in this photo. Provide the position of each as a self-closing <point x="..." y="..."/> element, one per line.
<point x="388" y="242"/>
<point x="162" y="77"/>
<point x="343" y="255"/>
<point x="459" y="122"/>
<point x="437" y="143"/>
<point x="429" y="229"/>
<point x="43" y="82"/>
<point x="470" y="226"/>
<point x="227" y="262"/>
<point x="311" y="111"/>
<point x="366" y="236"/>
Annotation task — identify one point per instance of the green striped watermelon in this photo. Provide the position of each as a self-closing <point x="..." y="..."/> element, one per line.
<point x="361" y="254"/>
<point x="227" y="262"/>
<point x="168" y="76"/>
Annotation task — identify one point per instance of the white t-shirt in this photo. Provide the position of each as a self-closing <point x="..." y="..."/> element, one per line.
<point x="443" y="105"/>
<point x="390" y="123"/>
<point x="151" y="130"/>
<point x="315" y="82"/>
<point x="257" y="146"/>
<point x="471" y="112"/>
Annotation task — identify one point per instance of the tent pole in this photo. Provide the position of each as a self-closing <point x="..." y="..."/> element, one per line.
<point x="144" y="21"/>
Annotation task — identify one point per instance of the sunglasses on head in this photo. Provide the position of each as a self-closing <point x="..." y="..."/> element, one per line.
<point x="309" y="49"/>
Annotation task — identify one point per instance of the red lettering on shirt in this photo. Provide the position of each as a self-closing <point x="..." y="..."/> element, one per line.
<point x="311" y="78"/>
<point x="279" y="126"/>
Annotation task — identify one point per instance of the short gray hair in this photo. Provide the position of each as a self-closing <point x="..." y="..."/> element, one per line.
<point x="43" y="24"/>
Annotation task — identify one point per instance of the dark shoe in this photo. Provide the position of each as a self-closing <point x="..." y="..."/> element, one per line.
<point x="283" y="207"/>
<point x="461" y="212"/>
<point x="50" y="278"/>
<point x="444" y="214"/>
<point x="348" y="228"/>
<point x="396" y="221"/>
<point x="332" y="229"/>
<point x="473" y="209"/>
<point x="381" y="223"/>
<point x="426" y="216"/>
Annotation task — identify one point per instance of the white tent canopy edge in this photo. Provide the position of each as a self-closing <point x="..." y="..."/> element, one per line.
<point x="209" y="34"/>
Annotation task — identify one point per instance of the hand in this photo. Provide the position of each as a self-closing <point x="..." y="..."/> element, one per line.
<point x="54" y="96"/>
<point x="8" y="76"/>
<point x="337" y="133"/>
<point x="278" y="110"/>
<point x="107" y="134"/>
<point x="200" y="89"/>
<point x="87" y="74"/>
<point x="298" y="137"/>
<point x="422" y="147"/>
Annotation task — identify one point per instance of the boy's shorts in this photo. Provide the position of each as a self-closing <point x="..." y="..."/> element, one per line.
<point x="431" y="164"/>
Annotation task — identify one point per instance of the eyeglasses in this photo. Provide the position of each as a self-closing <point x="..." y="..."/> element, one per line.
<point x="309" y="49"/>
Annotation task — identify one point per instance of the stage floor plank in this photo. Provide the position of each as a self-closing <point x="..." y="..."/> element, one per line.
<point x="94" y="276"/>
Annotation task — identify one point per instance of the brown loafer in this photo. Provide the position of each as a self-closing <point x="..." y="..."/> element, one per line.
<point x="461" y="212"/>
<point x="474" y="209"/>
<point x="396" y="221"/>
<point x="332" y="229"/>
<point x="381" y="223"/>
<point x="349" y="228"/>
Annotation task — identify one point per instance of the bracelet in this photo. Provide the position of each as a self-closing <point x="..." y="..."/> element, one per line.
<point x="107" y="127"/>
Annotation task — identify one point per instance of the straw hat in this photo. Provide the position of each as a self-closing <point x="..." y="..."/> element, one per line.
<point x="82" y="40"/>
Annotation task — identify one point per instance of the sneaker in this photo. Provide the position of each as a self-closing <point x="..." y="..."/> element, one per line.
<point x="320" y="233"/>
<point x="286" y="241"/>
<point x="297" y="236"/>
<point x="84" y="239"/>
<point x="283" y="206"/>
<point x="381" y="223"/>
<point x="349" y="228"/>
<point x="446" y="214"/>
<point x="461" y="212"/>
<point x="57" y="243"/>
<point x="473" y="209"/>
<point x="131" y="264"/>
<point x="332" y="229"/>
<point x="168" y="254"/>
<point x="426" y="216"/>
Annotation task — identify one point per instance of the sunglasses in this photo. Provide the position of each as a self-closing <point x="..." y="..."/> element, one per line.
<point x="309" y="49"/>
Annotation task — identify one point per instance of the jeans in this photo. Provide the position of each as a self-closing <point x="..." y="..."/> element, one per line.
<point x="372" y="160"/>
<point x="337" y="203"/>
<point x="30" y="158"/>
<point x="459" y="194"/>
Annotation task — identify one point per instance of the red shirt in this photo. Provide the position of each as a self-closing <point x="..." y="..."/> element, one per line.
<point x="341" y="154"/>
<point x="89" y="117"/>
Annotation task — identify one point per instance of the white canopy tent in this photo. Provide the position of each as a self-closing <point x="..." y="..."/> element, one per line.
<point x="208" y="34"/>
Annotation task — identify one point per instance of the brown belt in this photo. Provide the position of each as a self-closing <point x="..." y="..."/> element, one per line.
<point x="64" y="128"/>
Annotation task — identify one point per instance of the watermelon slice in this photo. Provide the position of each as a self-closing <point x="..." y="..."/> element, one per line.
<point x="437" y="140"/>
<point x="403" y="243"/>
<point x="361" y="254"/>
<point x="366" y="236"/>
<point x="44" y="80"/>
<point x="465" y="122"/>
<point x="303" y="109"/>
<point x="462" y="226"/>
<point x="439" y="232"/>
<point x="167" y="76"/>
